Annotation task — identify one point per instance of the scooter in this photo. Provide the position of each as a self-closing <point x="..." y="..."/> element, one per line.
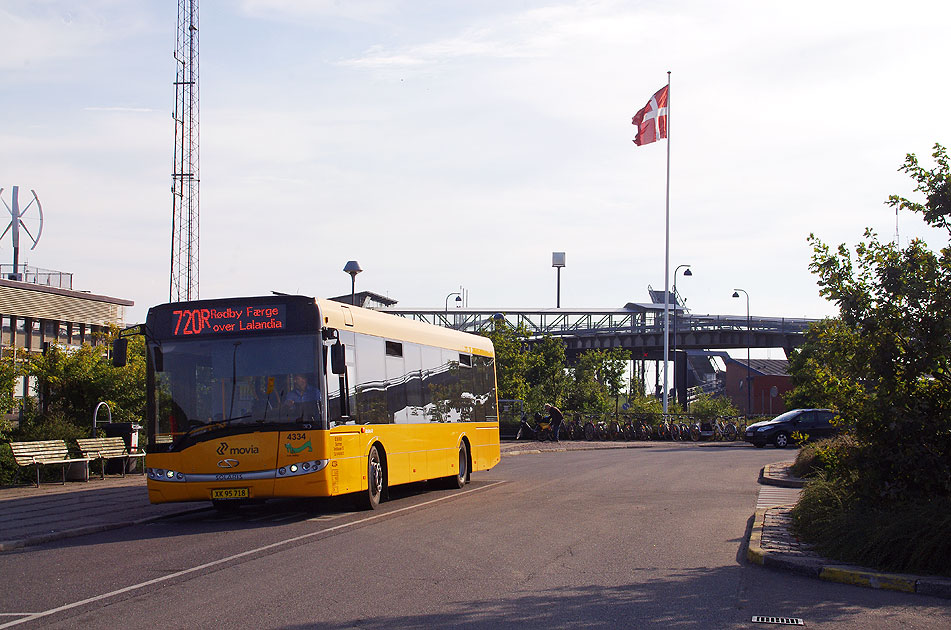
<point x="541" y="431"/>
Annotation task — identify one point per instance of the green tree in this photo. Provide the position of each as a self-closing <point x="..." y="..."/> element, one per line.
<point x="585" y="391"/>
<point x="73" y="382"/>
<point x="613" y="369"/>
<point x="9" y="371"/>
<point x="511" y="359"/>
<point x="823" y="369"/>
<point x="896" y="304"/>
<point x="707" y="407"/>
<point x="545" y="373"/>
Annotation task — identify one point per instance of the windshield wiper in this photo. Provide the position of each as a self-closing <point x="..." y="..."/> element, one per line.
<point x="204" y="428"/>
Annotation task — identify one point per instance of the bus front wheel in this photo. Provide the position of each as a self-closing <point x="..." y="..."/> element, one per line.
<point x="370" y="500"/>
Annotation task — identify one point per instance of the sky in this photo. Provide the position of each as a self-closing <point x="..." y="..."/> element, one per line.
<point x="458" y="144"/>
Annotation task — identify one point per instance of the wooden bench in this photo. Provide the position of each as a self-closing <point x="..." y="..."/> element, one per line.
<point x="108" y="448"/>
<point x="44" y="453"/>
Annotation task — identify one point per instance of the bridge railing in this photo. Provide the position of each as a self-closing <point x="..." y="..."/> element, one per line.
<point x="559" y="322"/>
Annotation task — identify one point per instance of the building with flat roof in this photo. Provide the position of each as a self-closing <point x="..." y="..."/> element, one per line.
<point x="39" y="307"/>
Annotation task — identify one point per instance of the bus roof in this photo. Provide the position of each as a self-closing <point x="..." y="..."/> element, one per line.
<point x="295" y="313"/>
<point x="346" y="317"/>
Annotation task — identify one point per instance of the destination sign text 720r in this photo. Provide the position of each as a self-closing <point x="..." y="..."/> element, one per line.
<point x="229" y="320"/>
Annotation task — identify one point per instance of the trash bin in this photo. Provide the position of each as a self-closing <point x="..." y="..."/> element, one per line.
<point x="129" y="432"/>
<point x="77" y="471"/>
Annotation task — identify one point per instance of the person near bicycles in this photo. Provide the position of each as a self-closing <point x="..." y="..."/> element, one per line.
<point x="555" y="417"/>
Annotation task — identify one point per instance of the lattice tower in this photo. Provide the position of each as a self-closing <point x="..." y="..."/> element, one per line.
<point x="185" y="173"/>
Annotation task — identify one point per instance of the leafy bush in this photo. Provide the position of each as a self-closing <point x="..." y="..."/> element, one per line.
<point x="830" y="456"/>
<point x="34" y="427"/>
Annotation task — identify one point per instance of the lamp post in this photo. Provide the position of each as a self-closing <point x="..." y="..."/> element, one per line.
<point x="458" y="299"/>
<point x="353" y="268"/>
<point x="558" y="261"/>
<point x="749" y="379"/>
<point x="687" y="274"/>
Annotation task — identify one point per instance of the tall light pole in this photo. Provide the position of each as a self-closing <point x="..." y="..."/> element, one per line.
<point x="687" y="273"/>
<point x="458" y="299"/>
<point x="749" y="378"/>
<point x="558" y="261"/>
<point x="353" y="268"/>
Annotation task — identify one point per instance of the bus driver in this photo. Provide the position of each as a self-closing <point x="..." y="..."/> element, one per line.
<point x="302" y="391"/>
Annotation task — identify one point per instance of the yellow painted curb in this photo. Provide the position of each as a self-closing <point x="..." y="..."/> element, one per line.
<point x="885" y="581"/>
<point x="754" y="550"/>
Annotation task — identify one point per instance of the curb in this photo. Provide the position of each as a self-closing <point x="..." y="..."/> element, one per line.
<point x="844" y="574"/>
<point x="767" y="476"/>
<point x="31" y="541"/>
<point x="563" y="449"/>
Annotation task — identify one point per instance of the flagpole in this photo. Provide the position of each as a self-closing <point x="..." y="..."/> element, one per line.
<point x="667" y="254"/>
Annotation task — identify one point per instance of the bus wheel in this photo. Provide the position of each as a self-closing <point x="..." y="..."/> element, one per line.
<point x="459" y="480"/>
<point x="371" y="499"/>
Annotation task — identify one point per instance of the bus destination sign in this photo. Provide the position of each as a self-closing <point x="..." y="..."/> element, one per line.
<point x="229" y="319"/>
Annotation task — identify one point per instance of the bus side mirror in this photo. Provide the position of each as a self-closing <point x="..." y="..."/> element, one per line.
<point x="338" y="358"/>
<point x="120" y="352"/>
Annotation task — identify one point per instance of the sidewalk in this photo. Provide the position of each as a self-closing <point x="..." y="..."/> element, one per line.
<point x="33" y="516"/>
<point x="772" y="544"/>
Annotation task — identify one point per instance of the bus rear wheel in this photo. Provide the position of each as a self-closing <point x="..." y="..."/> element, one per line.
<point x="370" y="499"/>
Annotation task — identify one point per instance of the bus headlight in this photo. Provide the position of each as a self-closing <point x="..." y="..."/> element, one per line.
<point x="303" y="468"/>
<point x="163" y="474"/>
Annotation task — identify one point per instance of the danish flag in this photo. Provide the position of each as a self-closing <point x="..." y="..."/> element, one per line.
<point x="651" y="120"/>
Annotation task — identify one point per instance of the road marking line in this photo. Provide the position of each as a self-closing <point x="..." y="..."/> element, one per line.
<point x="171" y="576"/>
<point x="329" y="517"/>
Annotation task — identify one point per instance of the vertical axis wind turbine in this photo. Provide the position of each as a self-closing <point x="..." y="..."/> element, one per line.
<point x="17" y="223"/>
<point x="183" y="284"/>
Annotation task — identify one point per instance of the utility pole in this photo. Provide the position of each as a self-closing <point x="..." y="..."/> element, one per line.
<point x="183" y="284"/>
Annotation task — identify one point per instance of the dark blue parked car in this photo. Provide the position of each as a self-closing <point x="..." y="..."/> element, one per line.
<point x="816" y="423"/>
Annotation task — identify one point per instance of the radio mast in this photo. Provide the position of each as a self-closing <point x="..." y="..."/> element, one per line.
<point x="185" y="176"/>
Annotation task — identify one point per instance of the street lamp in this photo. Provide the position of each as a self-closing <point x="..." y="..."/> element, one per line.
<point x="558" y="261"/>
<point x="749" y="379"/>
<point x="687" y="274"/>
<point x="458" y="299"/>
<point x="353" y="268"/>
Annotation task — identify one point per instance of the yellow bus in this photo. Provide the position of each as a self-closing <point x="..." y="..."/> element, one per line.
<point x="290" y="396"/>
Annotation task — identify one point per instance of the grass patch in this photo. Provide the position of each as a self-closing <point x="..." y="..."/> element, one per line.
<point x="905" y="537"/>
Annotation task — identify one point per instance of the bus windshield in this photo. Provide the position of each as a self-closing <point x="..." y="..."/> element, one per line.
<point x="236" y="383"/>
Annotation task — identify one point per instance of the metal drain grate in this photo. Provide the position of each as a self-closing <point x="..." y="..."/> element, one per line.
<point x="781" y="621"/>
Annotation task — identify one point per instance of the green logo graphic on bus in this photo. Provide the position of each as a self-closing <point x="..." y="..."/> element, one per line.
<point x="300" y="449"/>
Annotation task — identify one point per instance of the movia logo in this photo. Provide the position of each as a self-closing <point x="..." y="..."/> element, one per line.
<point x="237" y="450"/>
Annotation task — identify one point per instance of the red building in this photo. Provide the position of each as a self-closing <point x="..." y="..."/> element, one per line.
<point x="770" y="381"/>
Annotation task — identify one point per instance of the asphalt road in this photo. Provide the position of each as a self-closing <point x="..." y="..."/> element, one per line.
<point x="631" y="538"/>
